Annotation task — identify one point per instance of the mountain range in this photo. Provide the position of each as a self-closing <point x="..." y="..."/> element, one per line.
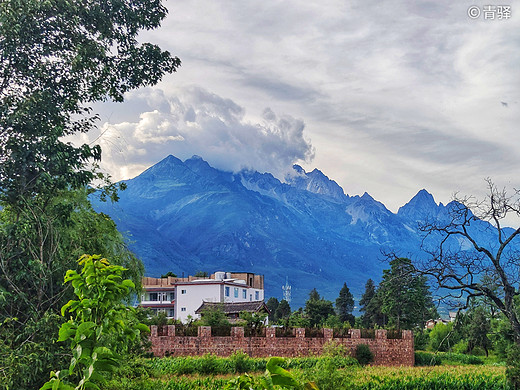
<point x="188" y="216"/>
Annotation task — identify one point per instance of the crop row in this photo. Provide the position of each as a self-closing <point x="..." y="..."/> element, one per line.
<point x="328" y="376"/>
<point x="236" y="363"/>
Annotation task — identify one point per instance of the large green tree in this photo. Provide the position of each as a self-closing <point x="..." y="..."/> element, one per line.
<point x="474" y="326"/>
<point x="57" y="57"/>
<point x="272" y="304"/>
<point x="370" y="305"/>
<point x="345" y="305"/>
<point x="317" y="309"/>
<point x="36" y="249"/>
<point x="405" y="295"/>
<point x="283" y="310"/>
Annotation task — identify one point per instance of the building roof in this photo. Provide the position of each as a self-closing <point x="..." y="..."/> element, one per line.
<point x="234" y="307"/>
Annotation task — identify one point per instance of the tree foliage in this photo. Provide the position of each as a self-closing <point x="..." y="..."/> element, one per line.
<point x="56" y="58"/>
<point x="405" y="296"/>
<point x="442" y="337"/>
<point x="474" y="327"/>
<point x="169" y="274"/>
<point x="283" y="310"/>
<point x="100" y="325"/>
<point x="371" y="306"/>
<point x="272" y="304"/>
<point x="215" y="317"/>
<point x="317" y="309"/>
<point x="345" y="305"/>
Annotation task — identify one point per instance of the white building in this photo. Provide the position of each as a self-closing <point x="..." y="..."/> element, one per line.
<point x="180" y="297"/>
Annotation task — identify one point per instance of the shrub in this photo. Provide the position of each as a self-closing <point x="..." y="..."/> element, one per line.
<point x="460" y="358"/>
<point x="333" y="348"/>
<point x="364" y="355"/>
<point x="426" y="359"/>
<point x="513" y="366"/>
<point x="442" y="337"/>
<point x="461" y="347"/>
<point x="209" y="364"/>
<point x="240" y="362"/>
<point x="421" y="339"/>
<point x="430" y="359"/>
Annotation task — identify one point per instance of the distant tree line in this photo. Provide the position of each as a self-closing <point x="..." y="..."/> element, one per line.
<point x="402" y="300"/>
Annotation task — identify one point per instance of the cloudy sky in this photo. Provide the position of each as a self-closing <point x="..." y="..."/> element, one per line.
<point x="384" y="97"/>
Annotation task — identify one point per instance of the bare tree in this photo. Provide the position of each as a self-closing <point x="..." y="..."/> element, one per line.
<point x="472" y="253"/>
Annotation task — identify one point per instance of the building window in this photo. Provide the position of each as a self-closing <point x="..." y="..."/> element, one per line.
<point x="236" y="292"/>
<point x="257" y="295"/>
<point x="164" y="296"/>
<point x="244" y="293"/>
<point x="183" y="309"/>
<point x="172" y="296"/>
<point x="172" y="313"/>
<point x="250" y="297"/>
<point x="153" y="297"/>
<point x="227" y="291"/>
<point x="183" y="291"/>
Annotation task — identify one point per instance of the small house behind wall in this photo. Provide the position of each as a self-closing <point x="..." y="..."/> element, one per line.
<point x="179" y="298"/>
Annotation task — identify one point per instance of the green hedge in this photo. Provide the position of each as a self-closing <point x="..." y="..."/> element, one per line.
<point x="431" y="359"/>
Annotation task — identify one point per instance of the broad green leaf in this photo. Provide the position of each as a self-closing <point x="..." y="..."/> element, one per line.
<point x="84" y="330"/>
<point x="67" y="330"/>
<point x="91" y="385"/>
<point x="280" y="376"/>
<point x="76" y="352"/>
<point x="72" y="304"/>
<point x="128" y="283"/>
<point x="143" y="328"/>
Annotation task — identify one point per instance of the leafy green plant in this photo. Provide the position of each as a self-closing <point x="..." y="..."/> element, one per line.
<point x="426" y="359"/>
<point x="99" y="326"/>
<point x="240" y="361"/>
<point x="449" y="358"/>
<point x="275" y="378"/>
<point x="363" y="354"/>
<point x="332" y="348"/>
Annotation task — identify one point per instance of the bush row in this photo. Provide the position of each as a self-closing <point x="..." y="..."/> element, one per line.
<point x="431" y="359"/>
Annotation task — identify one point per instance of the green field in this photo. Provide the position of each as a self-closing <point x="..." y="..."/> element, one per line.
<point x="211" y="372"/>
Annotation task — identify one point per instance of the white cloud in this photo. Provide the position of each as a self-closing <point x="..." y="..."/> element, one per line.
<point x="195" y="121"/>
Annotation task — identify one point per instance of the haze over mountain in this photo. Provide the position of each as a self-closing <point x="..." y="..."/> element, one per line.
<point x="188" y="216"/>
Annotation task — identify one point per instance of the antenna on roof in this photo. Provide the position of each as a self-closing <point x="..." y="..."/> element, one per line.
<point x="287" y="290"/>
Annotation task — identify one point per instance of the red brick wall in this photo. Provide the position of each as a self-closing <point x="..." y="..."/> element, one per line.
<point x="387" y="352"/>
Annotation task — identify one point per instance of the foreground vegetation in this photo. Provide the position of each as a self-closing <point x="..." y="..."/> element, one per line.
<point x="328" y="372"/>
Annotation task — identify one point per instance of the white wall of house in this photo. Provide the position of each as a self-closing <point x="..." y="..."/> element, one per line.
<point x="191" y="295"/>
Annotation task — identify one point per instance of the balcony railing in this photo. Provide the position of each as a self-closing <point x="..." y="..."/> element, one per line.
<point x="166" y="303"/>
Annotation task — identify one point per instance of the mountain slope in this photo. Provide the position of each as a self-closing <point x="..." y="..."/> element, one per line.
<point x="187" y="216"/>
